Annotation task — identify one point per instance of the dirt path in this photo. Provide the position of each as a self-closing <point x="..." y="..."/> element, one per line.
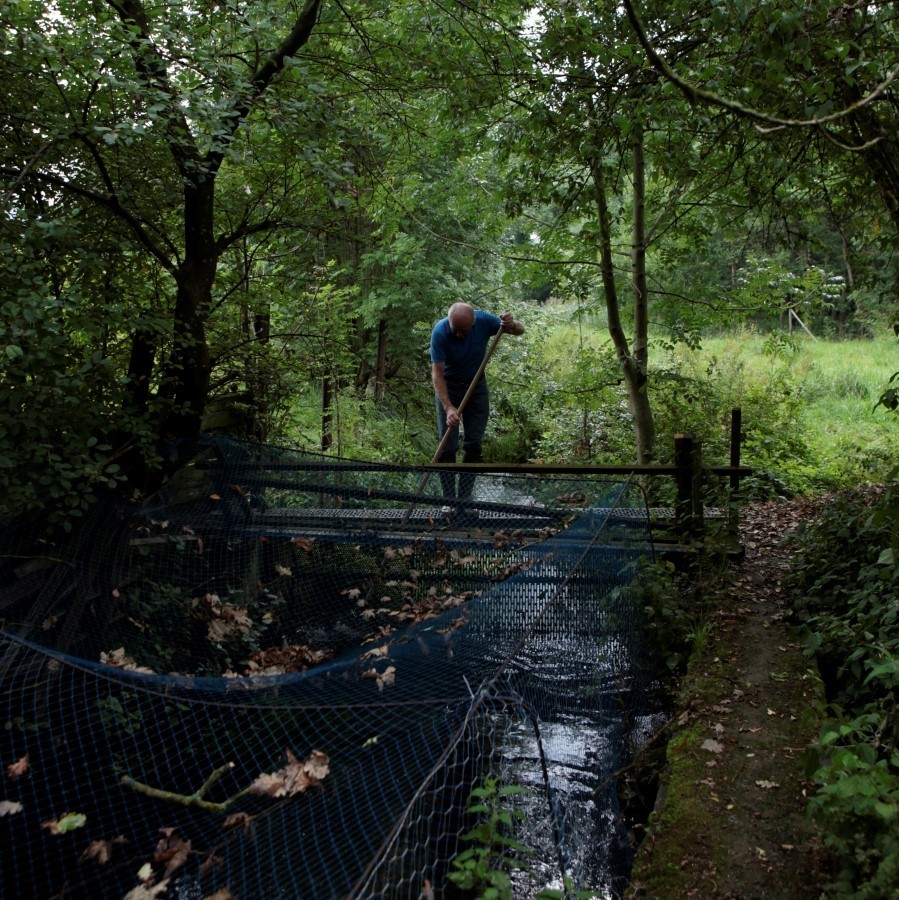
<point x="731" y="822"/>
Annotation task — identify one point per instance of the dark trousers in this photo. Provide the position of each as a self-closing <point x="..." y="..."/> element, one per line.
<point x="474" y="424"/>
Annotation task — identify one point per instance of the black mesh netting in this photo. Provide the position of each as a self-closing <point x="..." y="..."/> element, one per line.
<point x="283" y="676"/>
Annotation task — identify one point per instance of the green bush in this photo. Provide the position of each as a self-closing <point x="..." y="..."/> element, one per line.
<point x="847" y="581"/>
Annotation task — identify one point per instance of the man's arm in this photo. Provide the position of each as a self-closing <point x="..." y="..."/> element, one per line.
<point x="510" y="326"/>
<point x="440" y="389"/>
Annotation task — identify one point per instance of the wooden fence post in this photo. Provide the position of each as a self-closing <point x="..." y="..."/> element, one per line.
<point x="736" y="431"/>
<point x="688" y="512"/>
<point x="683" y="453"/>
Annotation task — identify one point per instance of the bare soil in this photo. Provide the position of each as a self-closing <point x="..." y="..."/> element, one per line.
<point x="731" y="818"/>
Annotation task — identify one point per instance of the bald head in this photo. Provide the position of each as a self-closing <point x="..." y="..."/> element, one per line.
<point x="461" y="318"/>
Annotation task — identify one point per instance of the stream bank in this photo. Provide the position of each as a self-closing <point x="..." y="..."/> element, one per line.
<point x="730" y="820"/>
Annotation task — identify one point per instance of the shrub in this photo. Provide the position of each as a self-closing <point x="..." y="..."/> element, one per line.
<point x="847" y="582"/>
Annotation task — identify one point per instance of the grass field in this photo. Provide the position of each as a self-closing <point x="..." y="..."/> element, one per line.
<point x="835" y="386"/>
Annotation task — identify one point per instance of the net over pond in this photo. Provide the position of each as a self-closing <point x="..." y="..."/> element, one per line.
<point x="283" y="676"/>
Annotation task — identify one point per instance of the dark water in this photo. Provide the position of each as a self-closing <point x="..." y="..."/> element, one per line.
<point x="596" y="707"/>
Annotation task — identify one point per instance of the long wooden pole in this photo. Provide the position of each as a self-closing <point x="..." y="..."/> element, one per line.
<point x="447" y="435"/>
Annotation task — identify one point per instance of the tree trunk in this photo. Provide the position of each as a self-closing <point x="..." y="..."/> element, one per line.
<point x="327" y="437"/>
<point x="380" y="373"/>
<point x="256" y="327"/>
<point x="259" y="379"/>
<point x="634" y="377"/>
<point x="190" y="364"/>
<point x="186" y="374"/>
<point x="140" y="371"/>
<point x="645" y="430"/>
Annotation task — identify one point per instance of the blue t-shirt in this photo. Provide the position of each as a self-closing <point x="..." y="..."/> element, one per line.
<point x="462" y="357"/>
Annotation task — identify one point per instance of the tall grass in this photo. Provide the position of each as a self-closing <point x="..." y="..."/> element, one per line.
<point x="808" y="406"/>
<point x="837" y="385"/>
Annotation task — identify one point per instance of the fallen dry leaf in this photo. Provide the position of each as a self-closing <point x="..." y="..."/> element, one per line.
<point x="453" y="626"/>
<point x="17" y="769"/>
<point x="209" y="865"/>
<point x="118" y="659"/>
<point x="10" y="808"/>
<point x="221" y="894"/>
<point x="383" y="679"/>
<point x="147" y="891"/>
<point x="101" y="851"/>
<point x="283" y="660"/>
<point x="171" y="850"/>
<point x="226" y="620"/>
<point x="239" y="819"/>
<point x="294" y="778"/>
<point x="767" y="785"/>
<point x="304" y="543"/>
<point x="66" y="822"/>
<point x="712" y="746"/>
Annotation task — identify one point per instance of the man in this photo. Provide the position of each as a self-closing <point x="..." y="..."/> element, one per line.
<point x="458" y="345"/>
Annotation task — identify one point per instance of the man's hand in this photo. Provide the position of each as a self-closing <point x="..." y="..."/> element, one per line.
<point x="510" y="326"/>
<point x="452" y="417"/>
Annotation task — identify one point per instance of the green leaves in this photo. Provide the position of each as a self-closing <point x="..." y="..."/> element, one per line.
<point x="67" y="822"/>
<point x="485" y="867"/>
<point x="849" y="584"/>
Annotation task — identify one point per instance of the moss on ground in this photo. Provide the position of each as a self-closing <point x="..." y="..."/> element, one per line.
<point x="731" y="820"/>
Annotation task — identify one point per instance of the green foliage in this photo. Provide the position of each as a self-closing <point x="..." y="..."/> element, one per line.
<point x="395" y="429"/>
<point x="847" y="579"/>
<point x="166" y="629"/>
<point x="575" y="404"/>
<point x="694" y="392"/>
<point x="57" y="377"/>
<point x="484" y="868"/>
<point x="806" y="407"/>
<point x="857" y="802"/>
<point x="181" y="140"/>
<point x="889" y="399"/>
<point x="675" y="616"/>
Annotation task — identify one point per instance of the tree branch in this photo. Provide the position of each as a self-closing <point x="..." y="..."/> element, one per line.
<point x="246" y="229"/>
<point x="152" y="68"/>
<point x="265" y="74"/>
<point x="106" y="201"/>
<point x="26" y="169"/>
<point x="694" y="92"/>
<point x="108" y="183"/>
<point x="189" y="800"/>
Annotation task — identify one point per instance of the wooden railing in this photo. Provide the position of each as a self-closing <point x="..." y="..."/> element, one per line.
<point x="688" y="471"/>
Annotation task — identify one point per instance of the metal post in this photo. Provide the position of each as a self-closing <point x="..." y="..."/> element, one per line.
<point x="683" y="460"/>
<point x="736" y="431"/>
